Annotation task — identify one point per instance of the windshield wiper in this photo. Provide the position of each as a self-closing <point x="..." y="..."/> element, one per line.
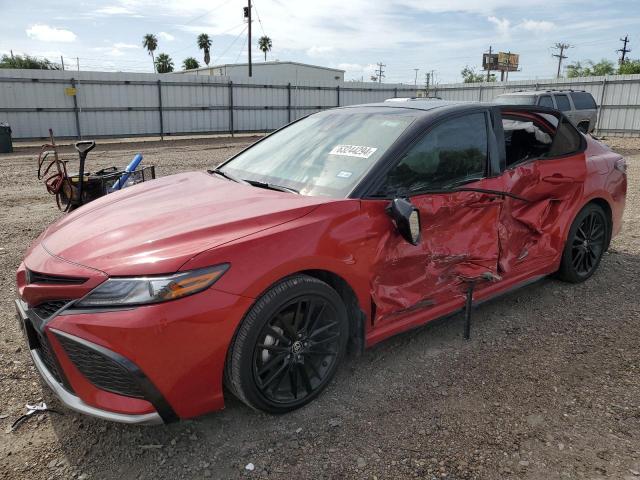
<point x="228" y="176"/>
<point x="272" y="186"/>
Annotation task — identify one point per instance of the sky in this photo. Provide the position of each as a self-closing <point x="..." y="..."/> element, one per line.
<point x="353" y="35"/>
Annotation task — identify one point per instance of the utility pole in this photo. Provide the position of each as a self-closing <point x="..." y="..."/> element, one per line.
<point x="427" y="83"/>
<point x="489" y="60"/>
<point x="249" y="18"/>
<point x="62" y="62"/>
<point x="380" y="71"/>
<point x="12" y="55"/>
<point x="415" y="81"/>
<point x="560" y="56"/>
<point x="78" y="62"/>
<point x="624" y="50"/>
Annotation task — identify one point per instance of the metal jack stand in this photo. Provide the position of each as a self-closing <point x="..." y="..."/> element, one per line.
<point x="471" y="285"/>
<point x="467" y="309"/>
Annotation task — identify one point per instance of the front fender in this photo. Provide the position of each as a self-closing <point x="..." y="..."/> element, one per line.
<point x="332" y="238"/>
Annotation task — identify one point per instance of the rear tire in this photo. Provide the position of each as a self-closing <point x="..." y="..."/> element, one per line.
<point x="289" y="345"/>
<point x="586" y="243"/>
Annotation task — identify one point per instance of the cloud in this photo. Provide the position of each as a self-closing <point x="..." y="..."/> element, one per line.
<point x="322" y="51"/>
<point x="502" y="25"/>
<point x="114" y="10"/>
<point x="166" y="36"/>
<point x="45" y="33"/>
<point x="537" y="25"/>
<point x="357" y="70"/>
<point x="121" y="45"/>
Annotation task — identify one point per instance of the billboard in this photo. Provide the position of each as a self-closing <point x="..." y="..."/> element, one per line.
<point x="502" y="61"/>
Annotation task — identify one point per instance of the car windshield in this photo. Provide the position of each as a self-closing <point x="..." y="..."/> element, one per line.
<point x="325" y="154"/>
<point x="516" y="99"/>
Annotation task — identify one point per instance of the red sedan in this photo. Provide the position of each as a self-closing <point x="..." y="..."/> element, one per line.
<point x="333" y="233"/>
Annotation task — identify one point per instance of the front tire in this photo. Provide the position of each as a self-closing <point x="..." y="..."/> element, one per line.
<point x="586" y="243"/>
<point x="289" y="345"/>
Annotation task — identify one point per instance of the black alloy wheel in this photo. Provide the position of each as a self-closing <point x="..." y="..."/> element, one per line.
<point x="587" y="241"/>
<point x="296" y="350"/>
<point x="289" y="345"/>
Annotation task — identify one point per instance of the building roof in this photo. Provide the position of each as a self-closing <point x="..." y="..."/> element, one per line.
<point x="259" y="64"/>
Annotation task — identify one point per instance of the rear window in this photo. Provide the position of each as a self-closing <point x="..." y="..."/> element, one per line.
<point x="563" y="103"/>
<point x="583" y="101"/>
<point x="516" y="99"/>
<point x="546" y="101"/>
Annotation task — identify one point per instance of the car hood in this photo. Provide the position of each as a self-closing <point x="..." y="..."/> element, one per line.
<point x="157" y="226"/>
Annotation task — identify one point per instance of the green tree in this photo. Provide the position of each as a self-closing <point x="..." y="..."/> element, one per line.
<point x="591" y="69"/>
<point x="204" y="43"/>
<point x="264" y="44"/>
<point x="164" y="64"/>
<point x="469" y="75"/>
<point x="150" y="42"/>
<point x="190" y="63"/>
<point x="27" y="62"/>
<point x="629" y="67"/>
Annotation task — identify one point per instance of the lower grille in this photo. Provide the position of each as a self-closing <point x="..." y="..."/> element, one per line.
<point x="100" y="370"/>
<point x="46" y="309"/>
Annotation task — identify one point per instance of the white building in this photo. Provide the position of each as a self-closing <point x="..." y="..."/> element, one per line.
<point x="276" y="73"/>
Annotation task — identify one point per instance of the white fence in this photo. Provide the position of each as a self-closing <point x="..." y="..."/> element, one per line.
<point x="618" y="97"/>
<point x="125" y="104"/>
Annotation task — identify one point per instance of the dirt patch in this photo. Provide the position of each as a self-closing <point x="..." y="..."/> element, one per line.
<point x="547" y="388"/>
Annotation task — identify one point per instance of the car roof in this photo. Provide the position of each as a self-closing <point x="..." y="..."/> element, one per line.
<point x="538" y="92"/>
<point x="413" y="103"/>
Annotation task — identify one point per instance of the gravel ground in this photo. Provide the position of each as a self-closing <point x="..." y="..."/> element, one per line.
<point x="547" y="388"/>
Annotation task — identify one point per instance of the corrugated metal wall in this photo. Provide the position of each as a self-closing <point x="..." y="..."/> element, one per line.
<point x="125" y="104"/>
<point x="618" y="97"/>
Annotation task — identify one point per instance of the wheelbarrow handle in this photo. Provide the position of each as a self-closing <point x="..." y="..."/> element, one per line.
<point x="85" y="146"/>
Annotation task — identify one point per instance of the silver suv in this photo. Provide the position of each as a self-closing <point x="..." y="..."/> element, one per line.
<point x="578" y="105"/>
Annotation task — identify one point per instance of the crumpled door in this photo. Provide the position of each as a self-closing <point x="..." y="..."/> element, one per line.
<point x="459" y="242"/>
<point x="532" y="233"/>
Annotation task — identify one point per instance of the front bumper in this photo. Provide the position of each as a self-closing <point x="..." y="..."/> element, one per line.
<point x="69" y="399"/>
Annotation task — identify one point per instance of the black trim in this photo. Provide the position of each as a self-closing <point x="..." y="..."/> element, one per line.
<point x="151" y="393"/>
<point x="46" y="279"/>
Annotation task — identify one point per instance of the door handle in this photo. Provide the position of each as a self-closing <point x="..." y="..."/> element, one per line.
<point x="557" y="179"/>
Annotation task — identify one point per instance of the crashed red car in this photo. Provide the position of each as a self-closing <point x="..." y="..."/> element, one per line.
<point x="335" y="232"/>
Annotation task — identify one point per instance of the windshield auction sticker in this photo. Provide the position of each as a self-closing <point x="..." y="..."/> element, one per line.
<point x="353" y="151"/>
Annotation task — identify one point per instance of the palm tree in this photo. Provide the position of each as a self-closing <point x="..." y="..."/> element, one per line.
<point x="150" y="42"/>
<point x="204" y="43"/>
<point x="264" y="44"/>
<point x="190" y="63"/>
<point x="164" y="64"/>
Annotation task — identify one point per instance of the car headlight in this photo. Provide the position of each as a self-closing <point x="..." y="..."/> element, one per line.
<point x="121" y="291"/>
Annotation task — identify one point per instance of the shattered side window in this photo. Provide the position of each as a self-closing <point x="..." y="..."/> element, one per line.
<point x="524" y="140"/>
<point x="528" y="139"/>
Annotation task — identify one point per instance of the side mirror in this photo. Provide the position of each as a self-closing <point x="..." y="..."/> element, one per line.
<point x="406" y="218"/>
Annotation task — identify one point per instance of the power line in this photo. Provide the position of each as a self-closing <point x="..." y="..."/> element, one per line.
<point x="232" y="44"/>
<point x="624" y="50"/>
<point x="258" y="15"/>
<point x="240" y="53"/>
<point x="560" y="56"/>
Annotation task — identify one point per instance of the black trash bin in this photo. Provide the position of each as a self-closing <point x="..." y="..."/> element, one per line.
<point x="6" y="146"/>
